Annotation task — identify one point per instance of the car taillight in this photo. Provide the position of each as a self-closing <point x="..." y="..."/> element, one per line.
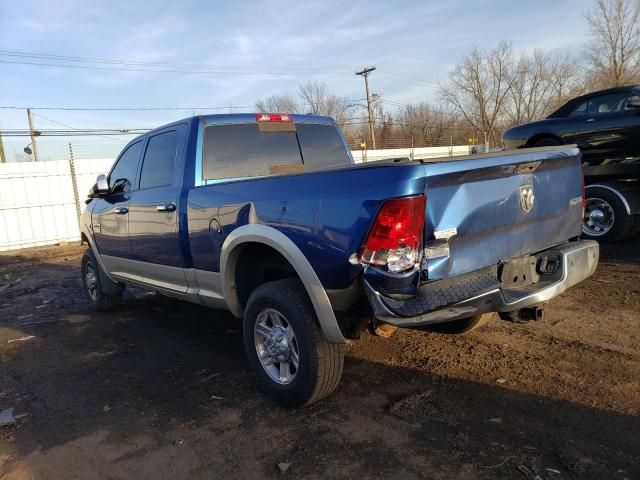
<point x="395" y="238"/>
<point x="273" y="117"/>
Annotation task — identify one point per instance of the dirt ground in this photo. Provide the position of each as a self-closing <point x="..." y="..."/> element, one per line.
<point x="161" y="389"/>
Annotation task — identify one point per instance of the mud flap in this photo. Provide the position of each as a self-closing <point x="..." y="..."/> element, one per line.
<point x="108" y="286"/>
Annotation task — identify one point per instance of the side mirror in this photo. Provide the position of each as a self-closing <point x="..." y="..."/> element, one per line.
<point x="633" y="103"/>
<point x="102" y="186"/>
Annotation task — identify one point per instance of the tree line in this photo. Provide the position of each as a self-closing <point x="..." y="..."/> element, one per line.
<point x="489" y="90"/>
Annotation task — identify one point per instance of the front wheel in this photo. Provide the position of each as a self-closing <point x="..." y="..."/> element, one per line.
<point x="101" y="297"/>
<point x="291" y="358"/>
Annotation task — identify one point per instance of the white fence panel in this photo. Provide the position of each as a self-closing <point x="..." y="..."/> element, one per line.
<point x="37" y="205"/>
<point x="419" y="153"/>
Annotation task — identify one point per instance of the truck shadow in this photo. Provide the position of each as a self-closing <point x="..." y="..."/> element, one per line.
<point x="168" y="382"/>
<point x="627" y="252"/>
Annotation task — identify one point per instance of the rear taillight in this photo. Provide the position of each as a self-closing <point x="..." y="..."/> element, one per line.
<point x="273" y="117"/>
<point x="395" y="238"/>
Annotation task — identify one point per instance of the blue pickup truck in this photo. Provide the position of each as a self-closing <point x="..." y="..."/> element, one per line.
<point x="267" y="216"/>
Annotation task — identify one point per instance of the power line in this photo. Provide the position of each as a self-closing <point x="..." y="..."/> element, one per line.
<point x="121" y="108"/>
<point x="391" y="102"/>
<point x="123" y="69"/>
<point x="413" y="81"/>
<point x="69" y="58"/>
<point x="406" y="75"/>
<point x="77" y="129"/>
<point x="152" y="70"/>
<point x="72" y="133"/>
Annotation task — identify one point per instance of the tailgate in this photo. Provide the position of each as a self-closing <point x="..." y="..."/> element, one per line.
<point x="493" y="207"/>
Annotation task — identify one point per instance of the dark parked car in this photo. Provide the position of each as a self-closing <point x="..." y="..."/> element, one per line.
<point x="606" y="127"/>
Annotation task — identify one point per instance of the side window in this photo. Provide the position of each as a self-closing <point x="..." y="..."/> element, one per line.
<point x="608" y="104"/>
<point x="580" y="110"/>
<point x="125" y="169"/>
<point x="159" y="160"/>
<point x="630" y="101"/>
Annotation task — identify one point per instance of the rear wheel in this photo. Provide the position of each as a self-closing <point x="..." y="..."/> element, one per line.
<point x="606" y="218"/>
<point x="463" y="325"/>
<point x="291" y="358"/>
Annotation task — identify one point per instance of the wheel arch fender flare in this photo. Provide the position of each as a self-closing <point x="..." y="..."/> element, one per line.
<point x="630" y="198"/>
<point x="256" y="233"/>
<point x="109" y="285"/>
<point x="535" y="138"/>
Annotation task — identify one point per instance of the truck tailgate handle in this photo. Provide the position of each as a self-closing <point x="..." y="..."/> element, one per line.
<point x="166" y="207"/>
<point x="121" y="210"/>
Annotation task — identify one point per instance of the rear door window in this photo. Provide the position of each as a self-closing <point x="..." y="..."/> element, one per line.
<point x="606" y="104"/>
<point x="159" y="160"/>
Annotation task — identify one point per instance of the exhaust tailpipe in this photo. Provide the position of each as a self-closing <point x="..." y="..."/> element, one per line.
<point x="523" y="315"/>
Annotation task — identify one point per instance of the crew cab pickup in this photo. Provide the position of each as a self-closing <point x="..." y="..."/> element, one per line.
<point x="267" y="216"/>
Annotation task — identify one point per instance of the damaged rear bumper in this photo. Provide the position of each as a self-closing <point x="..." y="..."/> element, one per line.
<point x="482" y="292"/>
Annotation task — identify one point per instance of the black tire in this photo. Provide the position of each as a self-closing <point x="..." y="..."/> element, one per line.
<point x="547" y="142"/>
<point x="102" y="297"/>
<point x="320" y="363"/>
<point x="622" y="225"/>
<point x="463" y="325"/>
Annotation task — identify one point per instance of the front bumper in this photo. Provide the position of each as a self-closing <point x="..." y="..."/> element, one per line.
<point x="481" y="291"/>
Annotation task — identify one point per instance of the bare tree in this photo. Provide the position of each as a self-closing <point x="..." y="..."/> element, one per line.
<point x="541" y="81"/>
<point x="478" y="87"/>
<point x="427" y="124"/>
<point x="318" y="100"/>
<point x="278" y="103"/>
<point x="614" y="53"/>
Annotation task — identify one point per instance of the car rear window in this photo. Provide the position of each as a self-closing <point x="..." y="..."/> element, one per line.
<point x="242" y="150"/>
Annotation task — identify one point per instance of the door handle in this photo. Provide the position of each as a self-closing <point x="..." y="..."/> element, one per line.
<point x="590" y="120"/>
<point x="166" y="207"/>
<point x="121" y="210"/>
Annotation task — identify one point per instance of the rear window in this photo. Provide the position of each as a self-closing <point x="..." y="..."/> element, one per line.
<point x="242" y="150"/>
<point x="322" y="146"/>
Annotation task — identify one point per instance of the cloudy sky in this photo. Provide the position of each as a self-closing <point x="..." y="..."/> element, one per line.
<point x="260" y="48"/>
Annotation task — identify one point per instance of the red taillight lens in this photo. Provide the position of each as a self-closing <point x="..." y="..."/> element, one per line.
<point x="273" y="117"/>
<point x="395" y="238"/>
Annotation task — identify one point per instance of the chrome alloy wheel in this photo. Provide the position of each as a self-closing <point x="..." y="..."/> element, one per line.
<point x="276" y="346"/>
<point x="91" y="280"/>
<point x="599" y="217"/>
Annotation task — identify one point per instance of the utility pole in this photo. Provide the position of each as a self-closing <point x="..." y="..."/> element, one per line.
<point x="365" y="73"/>
<point x="32" y="132"/>
<point x="3" y="158"/>
<point x="74" y="184"/>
